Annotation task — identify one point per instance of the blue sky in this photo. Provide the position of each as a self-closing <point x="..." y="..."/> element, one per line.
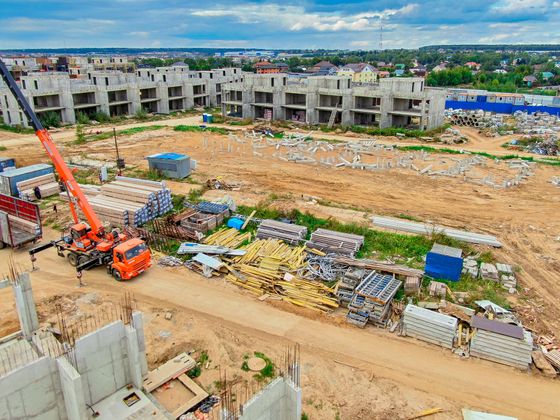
<point x="350" y="24"/>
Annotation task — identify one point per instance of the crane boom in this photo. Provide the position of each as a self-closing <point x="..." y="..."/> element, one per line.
<point x="63" y="171"/>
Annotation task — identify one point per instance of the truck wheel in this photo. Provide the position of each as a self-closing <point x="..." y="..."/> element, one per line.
<point x="117" y="275"/>
<point x="73" y="259"/>
<point x="81" y="260"/>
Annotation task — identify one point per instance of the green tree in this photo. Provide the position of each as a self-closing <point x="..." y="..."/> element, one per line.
<point x="50" y="119"/>
<point x="80" y="135"/>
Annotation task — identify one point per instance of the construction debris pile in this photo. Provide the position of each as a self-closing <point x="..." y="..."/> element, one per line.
<point x="128" y="201"/>
<point x="39" y="187"/>
<point x="452" y="136"/>
<point x="369" y="155"/>
<point x="539" y="123"/>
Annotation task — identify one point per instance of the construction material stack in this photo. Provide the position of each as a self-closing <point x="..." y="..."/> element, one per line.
<point x="46" y="185"/>
<point x="289" y="233"/>
<point x="332" y="242"/>
<point x="129" y="201"/>
<point x="429" y="326"/>
<point x="20" y="222"/>
<point x="500" y="342"/>
<point x="372" y="300"/>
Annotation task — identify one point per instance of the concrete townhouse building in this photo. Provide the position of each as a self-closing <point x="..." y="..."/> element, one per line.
<point x="156" y="90"/>
<point x="393" y="102"/>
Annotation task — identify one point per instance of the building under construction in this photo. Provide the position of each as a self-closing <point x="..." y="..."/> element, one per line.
<point x="335" y="100"/>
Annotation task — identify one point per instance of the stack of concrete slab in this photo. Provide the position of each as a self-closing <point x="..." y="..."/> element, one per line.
<point x="502" y="343"/>
<point x="507" y="278"/>
<point x="333" y="242"/>
<point x="290" y="233"/>
<point x="489" y="272"/>
<point x="429" y="326"/>
<point x="46" y="185"/>
<point x="470" y="266"/>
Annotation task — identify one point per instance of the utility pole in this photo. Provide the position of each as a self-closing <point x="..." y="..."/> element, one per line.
<point x="120" y="162"/>
<point x="380" y="35"/>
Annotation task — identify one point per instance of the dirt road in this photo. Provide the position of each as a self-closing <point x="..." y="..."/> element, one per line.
<point x="404" y="362"/>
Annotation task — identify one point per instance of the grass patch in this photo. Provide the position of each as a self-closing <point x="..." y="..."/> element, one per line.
<point x="126" y="132"/>
<point x="382" y="244"/>
<point x="480" y="289"/>
<point x="267" y="371"/>
<point x="198" y="129"/>
<point x="243" y="122"/>
<point x="390" y="131"/>
<point x="19" y="129"/>
<point x="407" y="217"/>
<point x="195" y="195"/>
<point x="3" y="148"/>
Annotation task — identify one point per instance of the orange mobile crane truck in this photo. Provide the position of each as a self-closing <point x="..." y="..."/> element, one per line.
<point x="84" y="245"/>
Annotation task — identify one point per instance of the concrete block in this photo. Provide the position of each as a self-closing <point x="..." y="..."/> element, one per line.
<point x="133" y="357"/>
<point x="40" y="396"/>
<point x="51" y="414"/>
<point x="86" y="345"/>
<point x="4" y="411"/>
<point x="16" y="406"/>
<point x="121" y="373"/>
<point x="110" y="333"/>
<point x="101" y="383"/>
<point x="99" y="359"/>
<point x="72" y="390"/>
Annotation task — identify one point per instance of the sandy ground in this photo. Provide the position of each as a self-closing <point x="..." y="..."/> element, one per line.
<point x="359" y="374"/>
<point x="407" y="376"/>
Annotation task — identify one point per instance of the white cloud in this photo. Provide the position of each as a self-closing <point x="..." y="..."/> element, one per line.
<point x="494" y="38"/>
<point x="520" y="6"/>
<point x="360" y="44"/>
<point x="295" y="18"/>
<point x="143" y="34"/>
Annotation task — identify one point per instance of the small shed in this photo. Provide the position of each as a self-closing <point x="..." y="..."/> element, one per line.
<point x="444" y="262"/>
<point x="172" y="165"/>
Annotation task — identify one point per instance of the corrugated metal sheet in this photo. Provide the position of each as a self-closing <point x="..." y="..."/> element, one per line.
<point x="429" y="326"/>
<point x="497" y="327"/>
<point x="479" y="415"/>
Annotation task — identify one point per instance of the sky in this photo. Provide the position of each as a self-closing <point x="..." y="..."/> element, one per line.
<point x="282" y="24"/>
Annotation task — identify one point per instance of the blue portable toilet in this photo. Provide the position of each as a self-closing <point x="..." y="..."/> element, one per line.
<point x="444" y="263"/>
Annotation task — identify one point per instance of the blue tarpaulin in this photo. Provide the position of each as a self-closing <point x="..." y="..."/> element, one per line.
<point x="444" y="263"/>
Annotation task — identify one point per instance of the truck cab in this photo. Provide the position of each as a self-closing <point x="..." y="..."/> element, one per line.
<point x="130" y="259"/>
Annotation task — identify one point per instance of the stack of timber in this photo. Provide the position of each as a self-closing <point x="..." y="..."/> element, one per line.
<point x="46" y="183"/>
<point x="230" y="238"/>
<point x="292" y="234"/>
<point x="502" y="343"/>
<point x="266" y="268"/>
<point x="429" y="326"/>
<point x="24" y="225"/>
<point x="372" y="299"/>
<point x="333" y="242"/>
<point x="128" y="201"/>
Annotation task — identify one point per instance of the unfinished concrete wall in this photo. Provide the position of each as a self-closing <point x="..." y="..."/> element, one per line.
<point x="33" y="391"/>
<point x="102" y="361"/>
<point x="25" y="305"/>
<point x="72" y="390"/>
<point x="279" y="400"/>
